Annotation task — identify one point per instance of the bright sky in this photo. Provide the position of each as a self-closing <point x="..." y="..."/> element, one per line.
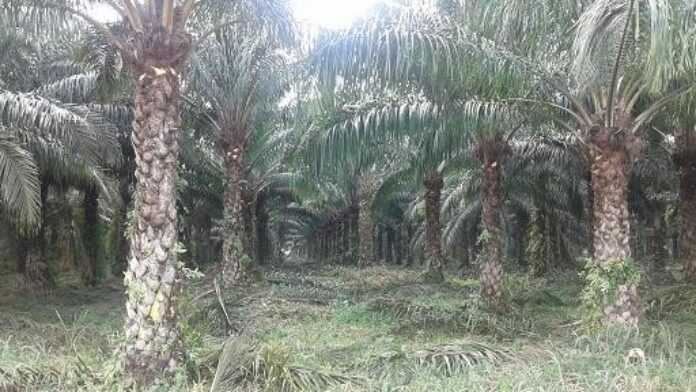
<point x="333" y="14"/>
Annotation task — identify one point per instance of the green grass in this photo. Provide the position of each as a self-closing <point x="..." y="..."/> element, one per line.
<point x="379" y="329"/>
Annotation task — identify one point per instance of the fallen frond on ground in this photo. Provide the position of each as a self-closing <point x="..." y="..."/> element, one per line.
<point x="244" y="366"/>
<point x="447" y="359"/>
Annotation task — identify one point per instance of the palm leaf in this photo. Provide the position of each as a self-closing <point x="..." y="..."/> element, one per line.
<point x="19" y="182"/>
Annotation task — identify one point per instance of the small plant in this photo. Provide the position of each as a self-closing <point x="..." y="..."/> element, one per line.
<point x="483" y="238"/>
<point x="602" y="284"/>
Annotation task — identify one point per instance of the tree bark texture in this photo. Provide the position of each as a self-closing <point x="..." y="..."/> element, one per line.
<point x="152" y="340"/>
<point x="433" y="192"/>
<point x="492" y="153"/>
<point x="366" y="220"/>
<point x="536" y="249"/>
<point x="235" y="259"/>
<point x="248" y="209"/>
<point x="379" y="244"/>
<point x="354" y="233"/>
<point x="91" y="235"/>
<point x="657" y="239"/>
<point x="399" y="246"/>
<point x="610" y="161"/>
<point x="263" y="243"/>
<point x="389" y="251"/>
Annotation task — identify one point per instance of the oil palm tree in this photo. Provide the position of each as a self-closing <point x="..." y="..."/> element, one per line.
<point x="622" y="74"/>
<point x="360" y="164"/>
<point x="155" y="43"/>
<point x="611" y="104"/>
<point x="47" y="138"/>
<point x="231" y="76"/>
<point x="425" y="53"/>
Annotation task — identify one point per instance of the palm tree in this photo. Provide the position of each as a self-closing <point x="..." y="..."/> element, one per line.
<point x="231" y="77"/>
<point x="360" y="170"/>
<point x="30" y="122"/>
<point x="609" y="103"/>
<point x="48" y="138"/>
<point x="420" y="51"/>
<point x="155" y="46"/>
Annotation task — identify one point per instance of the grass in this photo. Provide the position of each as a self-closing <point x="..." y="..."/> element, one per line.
<point x="321" y="328"/>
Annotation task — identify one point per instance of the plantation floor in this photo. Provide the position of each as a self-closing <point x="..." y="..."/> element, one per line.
<point x="310" y="327"/>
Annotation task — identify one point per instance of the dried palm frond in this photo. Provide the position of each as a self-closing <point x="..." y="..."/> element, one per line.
<point x="455" y="358"/>
<point x="420" y="313"/>
<point x="243" y="365"/>
<point x="449" y="359"/>
<point x="25" y="377"/>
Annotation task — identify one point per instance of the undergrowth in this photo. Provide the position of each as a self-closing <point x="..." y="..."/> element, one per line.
<point x="376" y="329"/>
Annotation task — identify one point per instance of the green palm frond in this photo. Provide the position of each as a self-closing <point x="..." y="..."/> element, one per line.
<point x="74" y="126"/>
<point x="75" y="88"/>
<point x="19" y="182"/>
<point x="610" y="32"/>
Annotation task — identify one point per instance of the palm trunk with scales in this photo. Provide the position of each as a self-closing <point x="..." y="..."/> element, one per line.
<point x="366" y="221"/>
<point x="491" y="153"/>
<point x="236" y="263"/>
<point x="433" y="190"/>
<point x="611" y="152"/>
<point x="152" y="342"/>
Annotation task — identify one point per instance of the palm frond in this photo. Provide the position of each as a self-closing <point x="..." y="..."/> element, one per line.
<point x="19" y="182"/>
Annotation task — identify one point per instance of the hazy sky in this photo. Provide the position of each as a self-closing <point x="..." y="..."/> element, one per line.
<point x="331" y="13"/>
<point x="325" y="13"/>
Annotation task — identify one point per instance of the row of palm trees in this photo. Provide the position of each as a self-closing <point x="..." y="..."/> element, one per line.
<point x="500" y="129"/>
<point x="485" y="77"/>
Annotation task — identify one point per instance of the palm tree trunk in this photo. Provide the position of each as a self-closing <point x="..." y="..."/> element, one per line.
<point x="22" y="249"/>
<point x="330" y="244"/>
<point x="248" y="209"/>
<point x="354" y="233"/>
<point x="656" y="234"/>
<point x="152" y="338"/>
<point x="536" y="249"/>
<point x="42" y="268"/>
<point x="126" y="184"/>
<point x="491" y="154"/>
<point x="465" y="256"/>
<point x="399" y="244"/>
<point x="687" y="213"/>
<point x="262" y="240"/>
<point x="379" y="244"/>
<point x="611" y="224"/>
<point x="520" y="225"/>
<point x="492" y="267"/>
<point x="366" y="221"/>
<point x="433" y="191"/>
<point x="410" y="233"/>
<point x="91" y="234"/>
<point x="235" y="259"/>
<point x="345" y="247"/>
<point x="389" y="251"/>
<point x="590" y="215"/>
<point x="281" y="242"/>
